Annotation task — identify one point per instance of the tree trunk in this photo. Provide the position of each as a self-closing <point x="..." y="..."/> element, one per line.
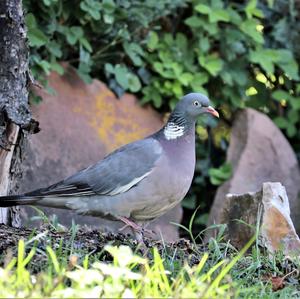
<point x="15" y="117"/>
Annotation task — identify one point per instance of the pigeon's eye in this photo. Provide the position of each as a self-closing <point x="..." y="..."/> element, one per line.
<point x="196" y="103"/>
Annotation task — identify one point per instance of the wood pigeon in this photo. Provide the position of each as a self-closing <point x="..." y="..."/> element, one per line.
<point x="136" y="183"/>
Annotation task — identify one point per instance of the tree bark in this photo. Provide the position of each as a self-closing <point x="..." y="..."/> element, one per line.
<point x="15" y="116"/>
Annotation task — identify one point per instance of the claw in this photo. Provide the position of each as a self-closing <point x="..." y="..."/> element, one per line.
<point x="150" y="232"/>
<point x="136" y="227"/>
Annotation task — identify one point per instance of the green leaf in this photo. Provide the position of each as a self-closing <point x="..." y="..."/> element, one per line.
<point x="30" y="21"/>
<point x="49" y="2"/>
<point x="189" y="203"/>
<point x="55" y="49"/>
<point x="240" y="78"/>
<point x="287" y="63"/>
<point x="217" y="15"/>
<point x="199" y="80"/>
<point x="109" y="6"/>
<point x="152" y="41"/>
<point x="181" y="41"/>
<point x="85" y="43"/>
<point x="265" y="58"/>
<point x="135" y="52"/>
<point x="249" y="28"/>
<point x="177" y="68"/>
<point x="204" y="44"/>
<point x="217" y="4"/>
<point x="36" y="37"/>
<point x="211" y="63"/>
<point x="293" y="116"/>
<point x="219" y="175"/>
<point x="291" y="69"/>
<point x="158" y="66"/>
<point x="134" y="83"/>
<point x="252" y="10"/>
<point x="250" y="7"/>
<point x="235" y="18"/>
<point x="84" y="56"/>
<point x="57" y="68"/>
<point x="177" y="89"/>
<point x="45" y="65"/>
<point x="74" y="34"/>
<point x="291" y="130"/>
<point x="108" y="19"/>
<point x="295" y="103"/>
<point x="168" y="39"/>
<point x="157" y="100"/>
<point x="227" y="78"/>
<point x="151" y="94"/>
<point x="281" y="122"/>
<point x="202" y="8"/>
<point x="121" y="76"/>
<point x="109" y="68"/>
<point x="194" y="22"/>
<point x="185" y="78"/>
<point x="84" y="72"/>
<point x="91" y="7"/>
<point x="280" y="95"/>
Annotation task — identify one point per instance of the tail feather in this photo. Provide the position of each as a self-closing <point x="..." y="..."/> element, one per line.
<point x="15" y="200"/>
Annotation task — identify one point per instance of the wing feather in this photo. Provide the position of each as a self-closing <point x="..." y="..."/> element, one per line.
<point x="116" y="173"/>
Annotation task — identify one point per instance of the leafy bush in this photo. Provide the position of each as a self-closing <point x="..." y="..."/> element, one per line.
<point x="242" y="54"/>
<point x="91" y="33"/>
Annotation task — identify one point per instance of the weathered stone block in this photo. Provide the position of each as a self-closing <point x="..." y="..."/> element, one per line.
<point x="268" y="211"/>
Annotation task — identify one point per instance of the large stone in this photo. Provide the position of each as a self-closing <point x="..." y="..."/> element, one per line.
<point x="80" y="124"/>
<point x="267" y="210"/>
<point x="259" y="153"/>
<point x="277" y="227"/>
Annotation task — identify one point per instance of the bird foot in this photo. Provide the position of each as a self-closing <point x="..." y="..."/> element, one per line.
<point x="136" y="227"/>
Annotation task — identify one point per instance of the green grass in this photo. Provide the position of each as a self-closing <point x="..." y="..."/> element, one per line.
<point x="128" y="275"/>
<point x="47" y="265"/>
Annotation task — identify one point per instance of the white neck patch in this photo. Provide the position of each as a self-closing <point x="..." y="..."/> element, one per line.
<point x="173" y="131"/>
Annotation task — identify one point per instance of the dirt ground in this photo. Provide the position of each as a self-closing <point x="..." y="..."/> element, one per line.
<point x="89" y="242"/>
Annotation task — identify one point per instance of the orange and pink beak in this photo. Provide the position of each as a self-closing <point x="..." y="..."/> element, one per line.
<point x="212" y="111"/>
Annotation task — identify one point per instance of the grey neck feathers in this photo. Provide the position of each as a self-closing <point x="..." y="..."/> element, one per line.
<point x="177" y="126"/>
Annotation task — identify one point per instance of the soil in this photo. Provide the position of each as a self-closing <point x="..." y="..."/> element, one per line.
<point x="90" y="242"/>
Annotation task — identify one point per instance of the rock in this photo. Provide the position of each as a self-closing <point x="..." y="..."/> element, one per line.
<point x="80" y="124"/>
<point x="268" y="210"/>
<point x="240" y="214"/>
<point x="277" y="226"/>
<point x="258" y="152"/>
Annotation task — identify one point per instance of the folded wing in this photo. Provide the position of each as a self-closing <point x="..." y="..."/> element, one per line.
<point x="116" y="173"/>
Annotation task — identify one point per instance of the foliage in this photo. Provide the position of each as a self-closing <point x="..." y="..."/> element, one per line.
<point x="241" y="54"/>
<point x="90" y="34"/>
<point x="222" y="51"/>
<point x="220" y="175"/>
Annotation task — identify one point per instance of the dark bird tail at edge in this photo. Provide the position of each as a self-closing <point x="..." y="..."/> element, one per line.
<point x="15" y="200"/>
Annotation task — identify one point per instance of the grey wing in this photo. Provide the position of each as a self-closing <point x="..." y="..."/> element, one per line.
<point x="116" y="173"/>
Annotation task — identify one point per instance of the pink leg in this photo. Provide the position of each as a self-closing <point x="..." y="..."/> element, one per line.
<point x="134" y="226"/>
<point x="129" y="223"/>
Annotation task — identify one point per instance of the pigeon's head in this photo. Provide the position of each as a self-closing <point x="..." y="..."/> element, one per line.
<point x="185" y="114"/>
<point x="193" y="105"/>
